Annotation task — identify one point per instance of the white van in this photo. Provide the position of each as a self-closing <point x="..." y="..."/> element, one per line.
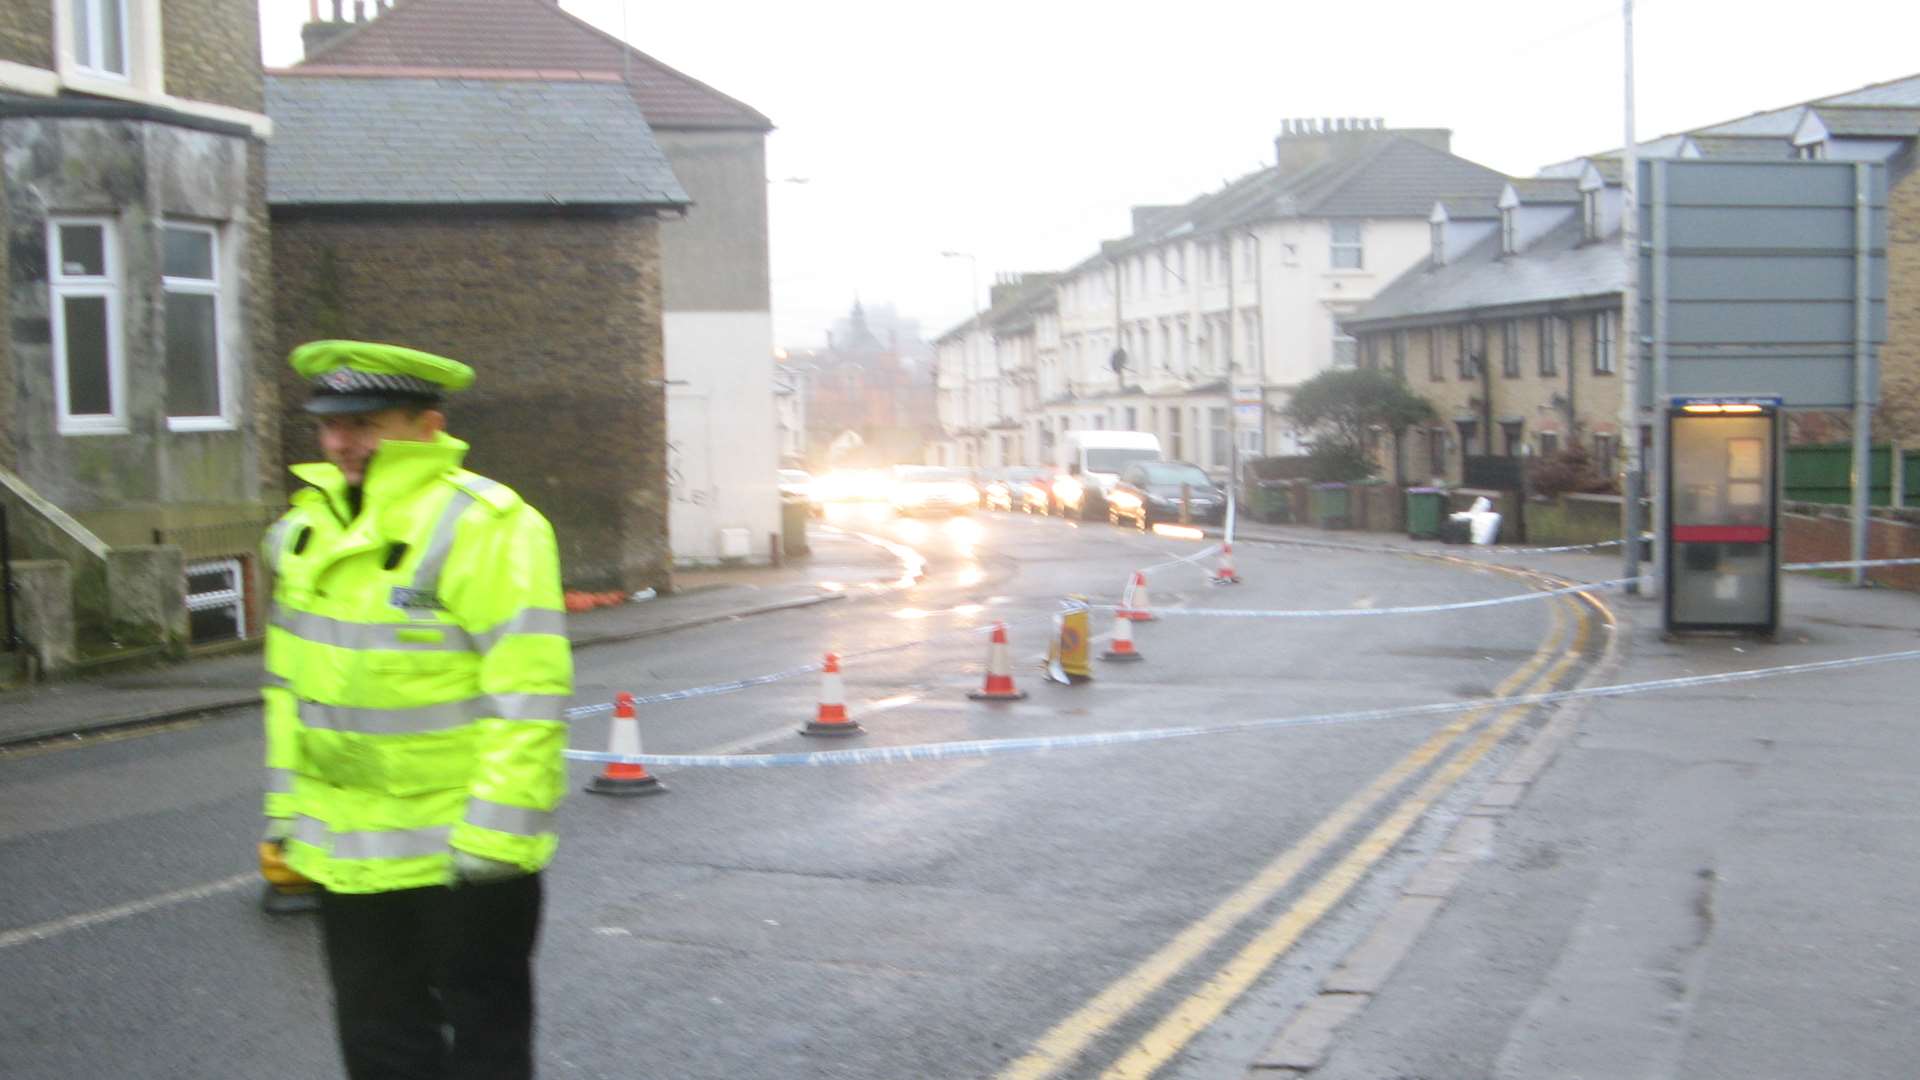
<point x="1092" y="461"/>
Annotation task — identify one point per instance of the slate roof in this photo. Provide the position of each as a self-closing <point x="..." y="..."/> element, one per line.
<point x="1850" y="121"/>
<point x="529" y="35"/>
<point x="1385" y="176"/>
<point x="1558" y="266"/>
<point x="453" y="141"/>
<point x="1537" y="192"/>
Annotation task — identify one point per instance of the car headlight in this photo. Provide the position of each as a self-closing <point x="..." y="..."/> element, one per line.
<point x="1067" y="489"/>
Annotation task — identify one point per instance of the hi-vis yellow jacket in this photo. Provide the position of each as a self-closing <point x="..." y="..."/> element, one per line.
<point x="417" y="673"/>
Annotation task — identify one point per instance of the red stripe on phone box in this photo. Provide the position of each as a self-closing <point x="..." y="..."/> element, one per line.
<point x="1722" y="534"/>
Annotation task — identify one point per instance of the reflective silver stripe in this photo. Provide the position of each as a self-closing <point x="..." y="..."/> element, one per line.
<point x="477" y="484"/>
<point x="427" y="574"/>
<point x="279" y="781"/>
<point x="392" y="843"/>
<point x="275" y="543"/>
<point x="441" y="717"/>
<point x="310" y="830"/>
<point x="382" y="844"/>
<point x="528" y="706"/>
<point x="525" y="621"/>
<point x="270" y="680"/>
<point x="500" y="817"/>
<point x="345" y="634"/>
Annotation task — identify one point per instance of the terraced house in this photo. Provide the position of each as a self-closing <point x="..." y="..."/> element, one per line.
<point x="1239" y="289"/>
<point x="138" y="424"/>
<point x="1510" y="325"/>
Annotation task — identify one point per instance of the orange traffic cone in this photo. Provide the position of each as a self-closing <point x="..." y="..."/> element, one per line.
<point x="1224" y="573"/>
<point x="999" y="685"/>
<point x="832" y="718"/>
<point x="623" y="738"/>
<point x="1137" y="607"/>
<point x="1122" y="647"/>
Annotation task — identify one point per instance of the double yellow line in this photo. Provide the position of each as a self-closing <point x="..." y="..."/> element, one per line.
<point x="1060" y="1047"/>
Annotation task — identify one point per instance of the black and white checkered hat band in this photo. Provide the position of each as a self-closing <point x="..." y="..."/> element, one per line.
<point x="349" y="381"/>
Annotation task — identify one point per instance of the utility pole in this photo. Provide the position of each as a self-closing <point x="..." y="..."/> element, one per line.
<point x="1629" y="343"/>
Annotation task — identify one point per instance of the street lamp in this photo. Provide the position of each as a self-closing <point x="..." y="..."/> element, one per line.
<point x="973" y="278"/>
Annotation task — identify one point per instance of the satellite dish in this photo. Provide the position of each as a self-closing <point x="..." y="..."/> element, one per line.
<point x="1118" y="361"/>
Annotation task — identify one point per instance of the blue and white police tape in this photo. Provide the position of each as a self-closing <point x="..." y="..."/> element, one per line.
<point x="1204" y="552"/>
<point x="1848" y="564"/>
<point x="734" y="686"/>
<point x="974" y="748"/>
<point x="1595" y="546"/>
<point x="1416" y="609"/>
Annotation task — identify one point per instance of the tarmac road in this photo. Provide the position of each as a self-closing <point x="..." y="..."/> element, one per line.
<point x="1146" y="909"/>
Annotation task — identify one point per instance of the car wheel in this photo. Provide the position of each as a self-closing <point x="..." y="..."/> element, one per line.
<point x="1142" y="520"/>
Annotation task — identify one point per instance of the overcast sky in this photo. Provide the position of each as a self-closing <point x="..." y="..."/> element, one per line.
<point x="1021" y="132"/>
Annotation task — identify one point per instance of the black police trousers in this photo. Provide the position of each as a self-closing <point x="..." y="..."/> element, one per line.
<point x="434" y="983"/>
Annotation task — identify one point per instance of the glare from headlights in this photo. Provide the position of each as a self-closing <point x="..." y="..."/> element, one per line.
<point x="1178" y="532"/>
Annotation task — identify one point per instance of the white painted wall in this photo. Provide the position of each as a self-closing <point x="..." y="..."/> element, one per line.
<point x="722" y="435"/>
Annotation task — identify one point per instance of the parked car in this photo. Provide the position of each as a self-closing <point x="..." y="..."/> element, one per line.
<point x="1150" y="492"/>
<point x="926" y="489"/>
<point x="1004" y="491"/>
<point x="1093" y="460"/>
<point x="1035" y="496"/>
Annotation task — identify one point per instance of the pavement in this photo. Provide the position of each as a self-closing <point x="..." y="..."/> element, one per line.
<point x="1702" y="882"/>
<point x="840" y="566"/>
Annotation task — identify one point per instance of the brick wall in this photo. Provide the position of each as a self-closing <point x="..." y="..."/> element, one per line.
<point x="26" y="32"/>
<point x="213" y="51"/>
<point x="560" y="316"/>
<point x="1899" y="417"/>
<point x="1814" y="533"/>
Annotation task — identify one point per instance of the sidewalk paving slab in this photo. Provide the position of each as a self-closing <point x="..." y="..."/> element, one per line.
<point x="1709" y="882"/>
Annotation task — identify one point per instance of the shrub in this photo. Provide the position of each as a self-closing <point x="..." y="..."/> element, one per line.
<point x="1569" y="470"/>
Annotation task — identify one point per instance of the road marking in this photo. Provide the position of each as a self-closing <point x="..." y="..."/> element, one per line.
<point x="1204" y="1006"/>
<point x="1057" y="1049"/>
<point x="57" y="927"/>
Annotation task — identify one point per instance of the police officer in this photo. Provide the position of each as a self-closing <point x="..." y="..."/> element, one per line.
<point x="417" y="673"/>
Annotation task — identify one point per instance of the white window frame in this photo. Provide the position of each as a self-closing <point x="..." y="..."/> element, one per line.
<point x="1509" y="231"/>
<point x="1604" y="360"/>
<point x="1345" y="351"/>
<point x="234" y="599"/>
<point x="1590" y="214"/>
<point x="1357" y="246"/>
<point x="87" y="58"/>
<point x="223" y="363"/>
<point x="60" y="287"/>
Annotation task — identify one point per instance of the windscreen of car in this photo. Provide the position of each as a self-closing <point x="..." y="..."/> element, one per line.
<point x="1114" y="459"/>
<point x="1168" y="478"/>
<point x="926" y="474"/>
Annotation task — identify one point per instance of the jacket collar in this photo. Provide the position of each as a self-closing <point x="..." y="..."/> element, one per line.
<point x="396" y="470"/>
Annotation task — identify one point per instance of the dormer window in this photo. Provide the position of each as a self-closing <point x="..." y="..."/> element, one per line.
<point x="1811" y="152"/>
<point x="1590" y="214"/>
<point x="1509" y="221"/>
<point x="1437" y="236"/>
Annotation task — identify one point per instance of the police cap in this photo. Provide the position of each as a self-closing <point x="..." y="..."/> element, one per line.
<point x="364" y="376"/>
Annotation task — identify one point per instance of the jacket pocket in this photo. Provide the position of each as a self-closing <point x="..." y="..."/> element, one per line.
<point x="391" y="764"/>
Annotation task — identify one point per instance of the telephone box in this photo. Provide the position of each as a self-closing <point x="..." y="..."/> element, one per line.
<point x="1723" y="514"/>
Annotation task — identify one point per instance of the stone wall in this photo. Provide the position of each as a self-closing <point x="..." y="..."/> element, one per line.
<point x="26" y="33"/>
<point x="124" y="484"/>
<point x="560" y="316"/>
<point x="1572" y="403"/>
<point x="213" y="52"/>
